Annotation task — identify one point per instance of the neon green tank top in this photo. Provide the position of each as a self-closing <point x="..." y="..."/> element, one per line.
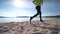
<point x="38" y="2"/>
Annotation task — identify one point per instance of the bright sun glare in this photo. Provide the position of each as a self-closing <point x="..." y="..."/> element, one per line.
<point x="19" y="3"/>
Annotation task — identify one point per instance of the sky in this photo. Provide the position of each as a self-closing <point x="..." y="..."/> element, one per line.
<point x="13" y="8"/>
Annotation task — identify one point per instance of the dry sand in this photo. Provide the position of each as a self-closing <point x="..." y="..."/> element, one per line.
<point x="46" y="27"/>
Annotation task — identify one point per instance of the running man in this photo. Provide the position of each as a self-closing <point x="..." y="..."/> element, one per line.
<point x="38" y="4"/>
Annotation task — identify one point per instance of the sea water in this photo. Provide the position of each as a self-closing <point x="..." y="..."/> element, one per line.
<point x="4" y="20"/>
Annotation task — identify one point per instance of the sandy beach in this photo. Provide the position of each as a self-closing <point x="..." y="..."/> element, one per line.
<point x="37" y="27"/>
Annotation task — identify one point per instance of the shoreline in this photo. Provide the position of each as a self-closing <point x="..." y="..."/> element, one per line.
<point x="32" y="21"/>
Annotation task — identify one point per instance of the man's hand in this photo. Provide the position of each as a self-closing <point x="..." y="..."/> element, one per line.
<point x="42" y="2"/>
<point x="34" y="2"/>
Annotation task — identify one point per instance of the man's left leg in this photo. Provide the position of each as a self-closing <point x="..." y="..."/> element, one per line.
<point x="40" y="15"/>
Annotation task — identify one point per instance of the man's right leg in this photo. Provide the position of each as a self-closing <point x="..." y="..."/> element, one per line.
<point x="34" y="15"/>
